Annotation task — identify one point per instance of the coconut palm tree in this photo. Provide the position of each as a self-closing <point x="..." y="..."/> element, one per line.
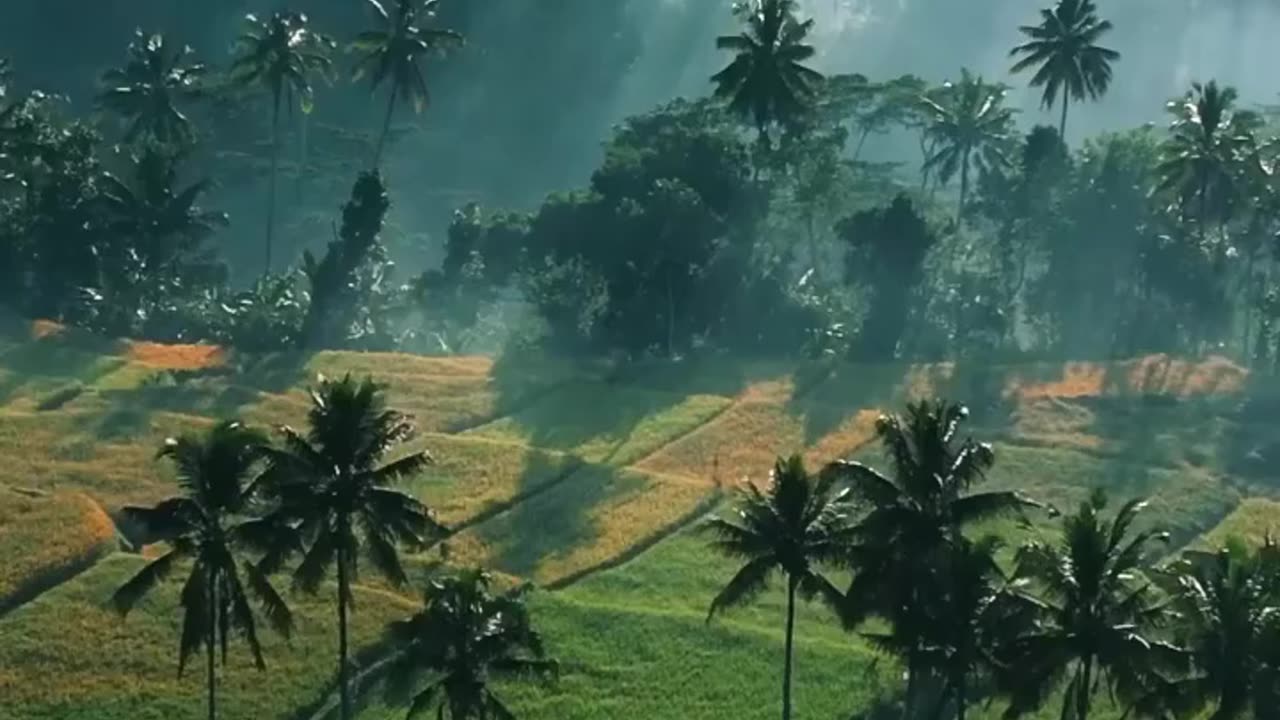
<point x="331" y="486"/>
<point x="767" y="82"/>
<point x="156" y="232"/>
<point x="208" y="526"/>
<point x="148" y="91"/>
<point x="1097" y="611"/>
<point x="463" y="638"/>
<point x="161" y="221"/>
<point x="393" y="54"/>
<point x="1065" y="52"/>
<point x="280" y="54"/>
<point x="794" y="526"/>
<point x="970" y="617"/>
<point x="1202" y="160"/>
<point x="1228" y="606"/>
<point x="916" y="516"/>
<point x="969" y="127"/>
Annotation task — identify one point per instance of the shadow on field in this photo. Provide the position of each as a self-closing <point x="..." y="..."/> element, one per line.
<point x="827" y="396"/>
<point x="62" y="356"/>
<point x="558" y="519"/>
<point x="562" y="403"/>
<point x="219" y="393"/>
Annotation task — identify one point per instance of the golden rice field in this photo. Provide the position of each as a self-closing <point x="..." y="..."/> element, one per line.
<point x="586" y="479"/>
<point x="44" y="537"/>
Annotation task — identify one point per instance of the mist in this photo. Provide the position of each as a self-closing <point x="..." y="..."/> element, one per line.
<point x="523" y="110"/>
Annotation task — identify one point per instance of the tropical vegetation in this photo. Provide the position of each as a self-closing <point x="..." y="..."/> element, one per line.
<point x="789" y="215"/>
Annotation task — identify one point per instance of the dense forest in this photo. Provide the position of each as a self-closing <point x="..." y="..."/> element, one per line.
<point x="780" y="213"/>
<point x="767" y="217"/>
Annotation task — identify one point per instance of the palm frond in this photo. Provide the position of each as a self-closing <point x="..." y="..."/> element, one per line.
<point x="746" y="584"/>
<point x="145" y="580"/>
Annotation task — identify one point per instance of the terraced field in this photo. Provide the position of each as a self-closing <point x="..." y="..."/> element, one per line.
<point x="586" y="480"/>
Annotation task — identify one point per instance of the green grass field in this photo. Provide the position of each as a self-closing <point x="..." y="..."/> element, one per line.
<point x="585" y="479"/>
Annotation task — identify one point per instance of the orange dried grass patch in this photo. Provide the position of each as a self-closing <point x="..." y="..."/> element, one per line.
<point x="41" y="329"/>
<point x="1151" y="375"/>
<point x="381" y="365"/>
<point x="176" y="357"/>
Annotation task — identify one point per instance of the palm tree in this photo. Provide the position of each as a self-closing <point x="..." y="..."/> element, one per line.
<point x="1063" y="48"/>
<point x="971" y="619"/>
<point x="968" y="126"/>
<point x="462" y="638"/>
<point x="767" y="82"/>
<point x="796" y="524"/>
<point x="393" y="54"/>
<point x="1201" y="161"/>
<point x="208" y="526"/>
<point x="161" y="220"/>
<point x="280" y="54"/>
<point x="149" y="89"/>
<point x="1228" y="606"/>
<point x="916" y="514"/>
<point x="332" y="488"/>
<point x="1096" y="612"/>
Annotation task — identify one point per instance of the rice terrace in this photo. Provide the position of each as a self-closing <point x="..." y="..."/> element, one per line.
<point x="594" y="501"/>
<point x="639" y="359"/>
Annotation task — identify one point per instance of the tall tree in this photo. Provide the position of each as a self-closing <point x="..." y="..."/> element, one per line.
<point x="331" y="486"/>
<point x="971" y="619"/>
<point x="1228" y="606"/>
<point x="209" y="527"/>
<point x="969" y="127"/>
<point x="147" y="93"/>
<point x="887" y="248"/>
<point x="393" y="54"/>
<point x="1097" y="612"/>
<point x="767" y="82"/>
<point x="1065" y="52"/>
<point x="794" y="526"/>
<point x="462" y="639"/>
<point x="280" y="54"/>
<point x="337" y="287"/>
<point x="158" y="233"/>
<point x="1202" y="160"/>
<point x="916" y="514"/>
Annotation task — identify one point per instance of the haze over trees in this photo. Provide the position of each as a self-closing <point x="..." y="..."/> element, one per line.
<point x="784" y="215"/>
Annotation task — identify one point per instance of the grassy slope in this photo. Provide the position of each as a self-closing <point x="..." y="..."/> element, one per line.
<point x="67" y="656"/>
<point x="31" y="557"/>
<point x="553" y="471"/>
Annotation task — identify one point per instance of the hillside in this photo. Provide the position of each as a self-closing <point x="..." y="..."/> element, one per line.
<point x="583" y="479"/>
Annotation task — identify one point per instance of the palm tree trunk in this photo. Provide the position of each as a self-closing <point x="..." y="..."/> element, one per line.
<point x="962" y="696"/>
<point x="386" y="129"/>
<point x="1084" y="691"/>
<point x="210" y="641"/>
<point x="1204" y="211"/>
<point x="271" y="194"/>
<point x="813" y="239"/>
<point x="913" y="682"/>
<point x="964" y="187"/>
<point x="304" y="129"/>
<point x="344" y="689"/>
<point x="1062" y="127"/>
<point x="671" y="319"/>
<point x="786" y="668"/>
<point x="862" y="139"/>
